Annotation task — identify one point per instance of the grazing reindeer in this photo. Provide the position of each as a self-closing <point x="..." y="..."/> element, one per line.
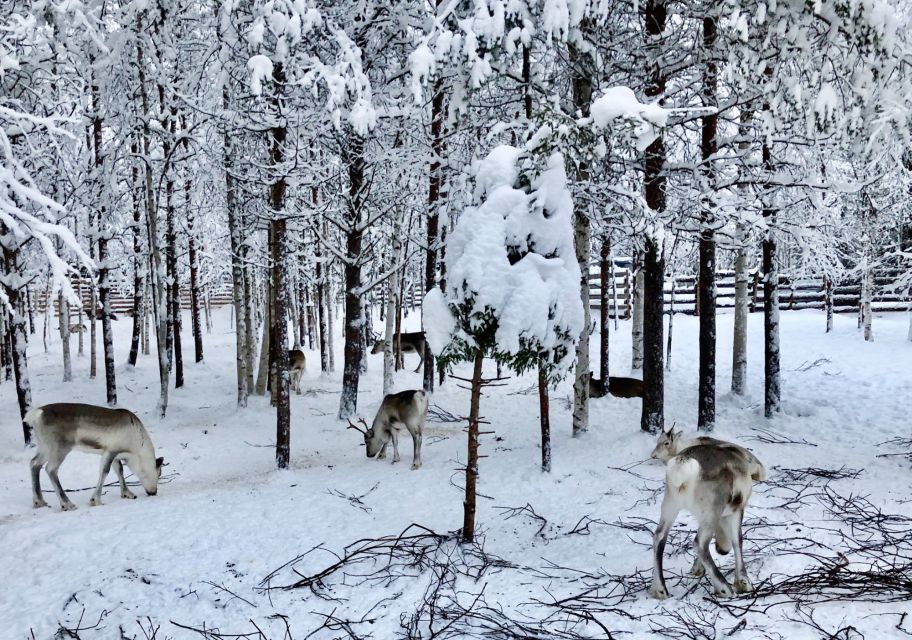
<point x="409" y="343"/>
<point x="618" y="387"/>
<point x="406" y="408"/>
<point x="713" y="480"/>
<point x="298" y="364"/>
<point x="116" y="434"/>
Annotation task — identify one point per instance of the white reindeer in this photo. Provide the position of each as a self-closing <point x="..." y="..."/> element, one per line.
<point x="116" y="434"/>
<point x="713" y="480"/>
<point x="298" y="365"/>
<point x="406" y="408"/>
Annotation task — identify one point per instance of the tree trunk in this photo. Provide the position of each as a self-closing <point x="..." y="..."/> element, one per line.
<point x="104" y="289"/>
<point x="772" y="392"/>
<point x="604" y="311"/>
<point x="330" y="319"/>
<point x="6" y="360"/>
<point x="706" y="398"/>
<point x="321" y="312"/>
<point x="582" y="63"/>
<point x="471" y="470"/>
<point x="868" y="294"/>
<point x="742" y="310"/>
<point x="280" y="289"/>
<point x="545" y="418"/>
<point x="173" y="288"/>
<point x="348" y="403"/>
<point x="828" y="301"/>
<point x="434" y="203"/>
<point x="63" y="326"/>
<point x="671" y="319"/>
<point x="195" y="321"/>
<point x="158" y="294"/>
<point x="392" y="303"/>
<point x="636" y="323"/>
<point x="653" y="418"/>
<point x="263" y="370"/>
<point x="17" y="330"/>
<point x="138" y="267"/>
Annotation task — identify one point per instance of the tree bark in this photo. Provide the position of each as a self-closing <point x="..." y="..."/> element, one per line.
<point x="434" y="203"/>
<point x="280" y="288"/>
<point x="348" y="403"/>
<point x="17" y="328"/>
<point x="604" y="310"/>
<point x="706" y="298"/>
<point x="173" y="277"/>
<point x="138" y="267"/>
<point x="544" y="413"/>
<point x="742" y="310"/>
<point x="772" y="391"/>
<point x="828" y="301"/>
<point x="582" y="67"/>
<point x="157" y="285"/>
<point x="636" y="323"/>
<point x="195" y="321"/>
<point x="104" y="289"/>
<point x="471" y="470"/>
<point x="653" y="418"/>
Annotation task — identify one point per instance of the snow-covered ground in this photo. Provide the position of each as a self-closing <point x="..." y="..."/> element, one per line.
<point x="196" y="555"/>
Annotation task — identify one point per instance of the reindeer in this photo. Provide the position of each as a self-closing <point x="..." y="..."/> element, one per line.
<point x="77" y="328"/>
<point x="713" y="480"/>
<point x="618" y="387"/>
<point x="409" y="343"/>
<point x="298" y="364"/>
<point x="406" y="408"/>
<point x="116" y="434"/>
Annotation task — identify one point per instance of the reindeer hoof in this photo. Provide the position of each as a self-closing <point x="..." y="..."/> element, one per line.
<point x="68" y="506"/>
<point x="37" y="504"/>
<point x="658" y="591"/>
<point x="743" y="586"/>
<point x="725" y="591"/>
<point x="128" y="495"/>
<point x="416" y="465"/>
<point x="95" y="502"/>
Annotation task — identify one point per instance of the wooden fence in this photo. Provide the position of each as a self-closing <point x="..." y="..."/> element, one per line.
<point x="794" y="293"/>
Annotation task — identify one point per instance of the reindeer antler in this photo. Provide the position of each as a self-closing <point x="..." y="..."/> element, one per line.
<point x="352" y="425"/>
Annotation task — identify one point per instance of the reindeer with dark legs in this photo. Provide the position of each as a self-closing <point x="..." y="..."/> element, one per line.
<point x="408" y="342"/>
<point x="713" y="480"/>
<point x="406" y="408"/>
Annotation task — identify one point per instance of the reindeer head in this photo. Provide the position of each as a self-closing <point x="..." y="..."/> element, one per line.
<point x="373" y="441"/>
<point x="379" y="345"/>
<point x="667" y="445"/>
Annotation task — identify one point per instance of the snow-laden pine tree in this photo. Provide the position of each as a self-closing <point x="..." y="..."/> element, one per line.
<point x="511" y="290"/>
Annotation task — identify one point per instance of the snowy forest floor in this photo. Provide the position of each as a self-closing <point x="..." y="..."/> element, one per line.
<point x="566" y="555"/>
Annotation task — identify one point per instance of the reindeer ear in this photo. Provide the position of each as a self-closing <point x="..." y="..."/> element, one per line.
<point x="159" y="462"/>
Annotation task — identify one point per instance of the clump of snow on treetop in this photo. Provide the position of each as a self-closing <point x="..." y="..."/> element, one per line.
<point x="511" y="260"/>
<point x="620" y="103"/>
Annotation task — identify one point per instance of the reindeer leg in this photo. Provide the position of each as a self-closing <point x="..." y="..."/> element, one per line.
<point x="394" y="437"/>
<point x="106" y="461"/>
<point x="720" y="585"/>
<point x="124" y="491"/>
<point x="416" y="451"/>
<point x="38" y="461"/>
<point x="53" y="464"/>
<point x="697" y="568"/>
<point x="742" y="582"/>
<point x="658" y="589"/>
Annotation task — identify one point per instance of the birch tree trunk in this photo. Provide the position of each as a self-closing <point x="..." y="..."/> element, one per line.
<point x="742" y="310"/>
<point x="158" y="295"/>
<point x="636" y="323"/>
<point x="392" y="303"/>
<point x="195" y="320"/>
<point x="321" y="311"/>
<point x="6" y="360"/>
<point x="173" y="278"/>
<point x="582" y="63"/>
<point x="868" y="294"/>
<point x="263" y="370"/>
<point x="17" y="327"/>
<point x="828" y="301"/>
<point x="63" y="326"/>
<point x="772" y="390"/>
